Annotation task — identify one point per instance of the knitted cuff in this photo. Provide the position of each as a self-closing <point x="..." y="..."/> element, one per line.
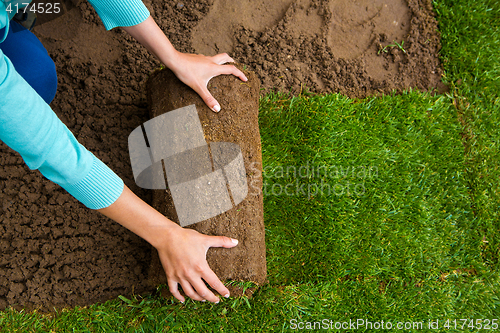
<point x="99" y="189"/>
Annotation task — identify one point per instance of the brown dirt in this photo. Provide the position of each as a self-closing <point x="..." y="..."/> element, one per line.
<point x="329" y="45"/>
<point x="54" y="251"/>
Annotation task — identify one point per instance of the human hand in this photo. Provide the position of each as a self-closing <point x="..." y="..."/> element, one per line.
<point x="196" y="70"/>
<point x="183" y="256"/>
<point x="182" y="251"/>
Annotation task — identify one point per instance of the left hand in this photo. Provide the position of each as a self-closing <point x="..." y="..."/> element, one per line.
<point x="183" y="254"/>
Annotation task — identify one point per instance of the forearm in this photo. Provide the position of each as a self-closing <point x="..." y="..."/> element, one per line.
<point x="150" y="36"/>
<point x="140" y="218"/>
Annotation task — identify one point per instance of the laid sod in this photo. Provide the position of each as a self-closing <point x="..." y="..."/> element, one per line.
<point x="359" y="190"/>
<point x="470" y="52"/>
<point x="275" y="309"/>
<point x="383" y="209"/>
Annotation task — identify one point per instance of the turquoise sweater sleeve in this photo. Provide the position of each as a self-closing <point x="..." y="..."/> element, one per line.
<point x="113" y="13"/>
<point x="29" y="126"/>
<point x="120" y="13"/>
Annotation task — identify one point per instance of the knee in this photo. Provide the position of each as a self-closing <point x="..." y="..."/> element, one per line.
<point x="45" y="82"/>
<point x="40" y="73"/>
<point x="32" y="61"/>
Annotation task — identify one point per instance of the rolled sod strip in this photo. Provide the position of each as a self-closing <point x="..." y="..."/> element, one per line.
<point x="231" y="135"/>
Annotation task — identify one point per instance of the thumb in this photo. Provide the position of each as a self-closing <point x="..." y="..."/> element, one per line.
<point x="222" y="241"/>
<point x="209" y="100"/>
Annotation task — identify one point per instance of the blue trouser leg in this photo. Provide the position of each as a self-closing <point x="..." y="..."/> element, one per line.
<point x="31" y="60"/>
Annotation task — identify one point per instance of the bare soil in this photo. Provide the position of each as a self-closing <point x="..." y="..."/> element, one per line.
<point x="54" y="251"/>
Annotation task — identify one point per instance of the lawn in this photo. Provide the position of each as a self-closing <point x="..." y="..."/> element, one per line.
<point x="378" y="211"/>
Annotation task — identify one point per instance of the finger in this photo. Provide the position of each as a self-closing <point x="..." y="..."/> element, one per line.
<point x="203" y="291"/>
<point x="209" y="100"/>
<point x="190" y="292"/>
<point x="215" y="283"/>
<point x="172" y="286"/>
<point x="222" y="58"/>
<point x="230" y="69"/>
<point x="222" y="241"/>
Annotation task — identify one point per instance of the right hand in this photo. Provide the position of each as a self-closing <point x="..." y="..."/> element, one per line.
<point x="195" y="70"/>
<point x="183" y="256"/>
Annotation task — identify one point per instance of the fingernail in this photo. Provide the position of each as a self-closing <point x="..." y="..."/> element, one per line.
<point x="235" y="241"/>
<point x="203" y="300"/>
<point x="245" y="78"/>
<point x="226" y="295"/>
<point x="217" y="108"/>
<point x="217" y="302"/>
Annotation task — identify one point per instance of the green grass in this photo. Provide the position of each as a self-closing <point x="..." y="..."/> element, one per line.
<point x="396" y="44"/>
<point x="273" y="309"/>
<point x="402" y="222"/>
<point x="471" y="47"/>
<point x="412" y="235"/>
